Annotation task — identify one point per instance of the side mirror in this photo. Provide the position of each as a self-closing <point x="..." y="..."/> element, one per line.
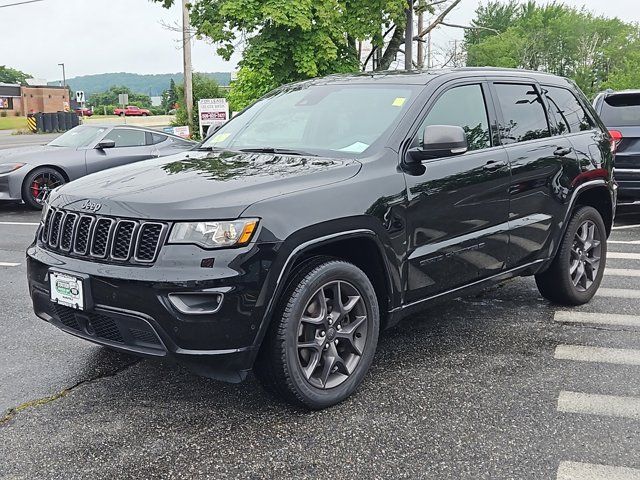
<point x="439" y="141"/>
<point x="106" y="144"/>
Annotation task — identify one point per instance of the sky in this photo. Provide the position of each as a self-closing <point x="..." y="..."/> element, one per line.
<point x="98" y="36"/>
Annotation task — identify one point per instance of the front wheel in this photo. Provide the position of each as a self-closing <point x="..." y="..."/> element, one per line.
<point x="576" y="272"/>
<point x="38" y="184"/>
<point x="323" y="337"/>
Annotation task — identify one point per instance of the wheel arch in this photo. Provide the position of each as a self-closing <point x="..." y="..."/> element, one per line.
<point x="364" y="251"/>
<point x="598" y="197"/>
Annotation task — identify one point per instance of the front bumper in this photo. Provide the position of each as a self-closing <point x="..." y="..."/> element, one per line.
<point x="130" y="308"/>
<point x="10" y="186"/>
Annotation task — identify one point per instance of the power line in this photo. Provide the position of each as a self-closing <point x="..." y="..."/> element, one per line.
<point x="20" y="3"/>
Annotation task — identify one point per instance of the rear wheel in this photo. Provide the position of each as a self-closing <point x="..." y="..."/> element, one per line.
<point x="38" y="184"/>
<point x="323" y="337"/>
<point x="576" y="273"/>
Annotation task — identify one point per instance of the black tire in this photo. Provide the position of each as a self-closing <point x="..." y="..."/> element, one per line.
<point x="48" y="178"/>
<point x="279" y="365"/>
<point x="558" y="283"/>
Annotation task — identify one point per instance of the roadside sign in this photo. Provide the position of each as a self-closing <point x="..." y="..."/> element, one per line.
<point x="80" y="96"/>
<point x="181" y="131"/>
<point x="123" y="98"/>
<point x="213" y="112"/>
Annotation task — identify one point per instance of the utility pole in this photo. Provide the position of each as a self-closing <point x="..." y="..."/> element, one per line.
<point x="408" y="37"/>
<point x="429" y="62"/>
<point x="186" y="55"/>
<point x="420" y="43"/>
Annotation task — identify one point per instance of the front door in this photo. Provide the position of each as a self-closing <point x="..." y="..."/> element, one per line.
<point x="131" y="146"/>
<point x="458" y="206"/>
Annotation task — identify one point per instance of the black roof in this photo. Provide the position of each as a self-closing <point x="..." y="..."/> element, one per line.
<point x="421" y="77"/>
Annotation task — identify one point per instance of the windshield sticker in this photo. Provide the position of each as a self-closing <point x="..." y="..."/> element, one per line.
<point x="357" y="147"/>
<point x="221" y="137"/>
<point x="399" y="101"/>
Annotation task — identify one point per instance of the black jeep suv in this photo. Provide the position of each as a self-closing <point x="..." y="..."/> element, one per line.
<point x="324" y="212"/>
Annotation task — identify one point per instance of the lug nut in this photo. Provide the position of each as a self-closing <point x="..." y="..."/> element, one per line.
<point x="339" y="327"/>
<point x="326" y="346"/>
<point x="335" y="341"/>
<point x="323" y="333"/>
<point x="330" y="321"/>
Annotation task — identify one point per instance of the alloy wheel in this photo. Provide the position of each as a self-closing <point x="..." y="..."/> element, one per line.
<point x="43" y="184"/>
<point x="586" y="252"/>
<point x="332" y="334"/>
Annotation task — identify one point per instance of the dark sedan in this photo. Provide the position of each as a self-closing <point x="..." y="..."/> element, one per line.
<point x="28" y="173"/>
<point x="620" y="112"/>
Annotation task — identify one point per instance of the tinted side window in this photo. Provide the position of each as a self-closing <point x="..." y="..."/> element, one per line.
<point x="125" y="137"/>
<point x="524" y="115"/>
<point x="569" y="113"/>
<point x="464" y="107"/>
<point x="155" y="138"/>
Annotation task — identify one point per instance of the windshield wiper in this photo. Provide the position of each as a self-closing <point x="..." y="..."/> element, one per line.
<point x="281" y="151"/>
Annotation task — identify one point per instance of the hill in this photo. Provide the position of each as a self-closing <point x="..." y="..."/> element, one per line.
<point x="151" y="84"/>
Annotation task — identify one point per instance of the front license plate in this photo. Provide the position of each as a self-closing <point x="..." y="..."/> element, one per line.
<point x="67" y="290"/>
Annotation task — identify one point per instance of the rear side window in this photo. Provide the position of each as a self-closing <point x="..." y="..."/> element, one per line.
<point x="621" y="110"/>
<point x="571" y="116"/>
<point x="464" y="107"/>
<point x="155" y="138"/>
<point x="523" y="114"/>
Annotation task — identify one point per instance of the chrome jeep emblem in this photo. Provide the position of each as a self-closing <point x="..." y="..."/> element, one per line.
<point x="91" y="206"/>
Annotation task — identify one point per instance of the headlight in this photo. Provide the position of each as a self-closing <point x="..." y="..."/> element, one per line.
<point x="214" y="234"/>
<point x="10" y="167"/>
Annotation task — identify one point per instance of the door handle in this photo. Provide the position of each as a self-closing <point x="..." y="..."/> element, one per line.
<point x="493" y="165"/>
<point x="562" y="151"/>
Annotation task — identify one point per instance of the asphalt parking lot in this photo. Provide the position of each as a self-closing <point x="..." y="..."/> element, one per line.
<point x="502" y="385"/>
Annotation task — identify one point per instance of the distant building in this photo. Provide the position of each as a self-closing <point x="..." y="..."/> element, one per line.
<point x="21" y="100"/>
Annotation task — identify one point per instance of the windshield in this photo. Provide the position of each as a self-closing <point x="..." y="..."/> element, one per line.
<point x="621" y="110"/>
<point x="80" y="136"/>
<point x="322" y="119"/>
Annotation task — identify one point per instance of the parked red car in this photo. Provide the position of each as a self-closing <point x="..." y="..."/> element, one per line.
<point x="84" y="111"/>
<point x="131" y="111"/>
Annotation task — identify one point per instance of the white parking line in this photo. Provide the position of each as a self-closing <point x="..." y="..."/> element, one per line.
<point x="624" y="242"/>
<point x="626" y="227"/>
<point x="622" y="272"/>
<point x="627" y="256"/>
<point x="618" y="293"/>
<point x="581" y="353"/>
<point x="597" y="318"/>
<point x="591" y="471"/>
<point x="593" y="404"/>
<point x="8" y="264"/>
<point x="27" y="224"/>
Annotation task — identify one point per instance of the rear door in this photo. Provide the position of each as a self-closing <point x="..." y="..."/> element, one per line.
<point x="621" y="112"/>
<point x="458" y="206"/>
<point x="131" y="146"/>
<point x="538" y="161"/>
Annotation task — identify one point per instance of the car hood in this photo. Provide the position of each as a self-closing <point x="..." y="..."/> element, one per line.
<point x="32" y="155"/>
<point x="200" y="185"/>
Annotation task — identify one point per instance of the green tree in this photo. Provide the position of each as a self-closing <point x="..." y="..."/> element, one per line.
<point x="289" y="40"/>
<point x="203" y="87"/>
<point x="11" y="75"/>
<point x="110" y="97"/>
<point x="592" y="50"/>
<point x="170" y="97"/>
